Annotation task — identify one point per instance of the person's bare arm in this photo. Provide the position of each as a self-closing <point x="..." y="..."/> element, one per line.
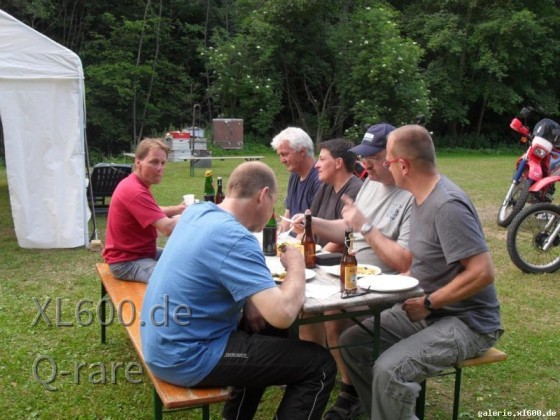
<point x="388" y="250"/>
<point x="171" y="211"/>
<point x="279" y="306"/>
<point x="479" y="272"/>
<point x="165" y="225"/>
<point x="284" y="225"/>
<point x="330" y="230"/>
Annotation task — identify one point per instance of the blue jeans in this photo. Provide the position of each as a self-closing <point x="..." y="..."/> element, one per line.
<point x="410" y="353"/>
<point x="252" y="362"/>
<point x="137" y="270"/>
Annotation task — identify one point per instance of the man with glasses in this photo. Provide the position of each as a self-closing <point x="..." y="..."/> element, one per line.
<point x="459" y="316"/>
<point x="380" y="218"/>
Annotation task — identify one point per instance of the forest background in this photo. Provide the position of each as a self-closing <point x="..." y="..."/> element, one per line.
<point x="328" y="66"/>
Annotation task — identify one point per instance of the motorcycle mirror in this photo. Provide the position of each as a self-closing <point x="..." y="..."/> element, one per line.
<point x="525" y="112"/>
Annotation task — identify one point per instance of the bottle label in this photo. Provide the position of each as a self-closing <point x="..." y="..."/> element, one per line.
<point x="351" y="278"/>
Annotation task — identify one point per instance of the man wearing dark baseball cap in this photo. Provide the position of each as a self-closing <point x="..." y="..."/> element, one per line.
<point x="374" y="141"/>
<point x="380" y="218"/>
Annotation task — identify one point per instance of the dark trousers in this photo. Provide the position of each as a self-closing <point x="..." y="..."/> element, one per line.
<point x="252" y="362"/>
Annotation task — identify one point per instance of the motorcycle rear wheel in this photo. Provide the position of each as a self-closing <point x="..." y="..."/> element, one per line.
<point x="513" y="203"/>
<point x="526" y="237"/>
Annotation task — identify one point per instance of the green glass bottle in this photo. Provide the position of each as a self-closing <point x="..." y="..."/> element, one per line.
<point x="208" y="186"/>
<point x="269" y="236"/>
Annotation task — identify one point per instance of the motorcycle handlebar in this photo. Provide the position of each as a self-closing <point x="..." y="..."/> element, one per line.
<point x="518" y="126"/>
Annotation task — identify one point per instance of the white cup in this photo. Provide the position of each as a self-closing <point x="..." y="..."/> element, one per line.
<point x="188" y="199"/>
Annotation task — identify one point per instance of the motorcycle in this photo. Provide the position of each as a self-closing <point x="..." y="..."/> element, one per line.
<point x="533" y="239"/>
<point x="537" y="170"/>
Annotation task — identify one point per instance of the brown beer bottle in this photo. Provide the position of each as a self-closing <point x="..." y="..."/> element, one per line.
<point x="308" y="242"/>
<point x="348" y="265"/>
<point x="219" y="193"/>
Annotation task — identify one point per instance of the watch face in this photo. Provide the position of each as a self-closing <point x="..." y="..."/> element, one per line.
<point x="366" y="227"/>
<point x="427" y="303"/>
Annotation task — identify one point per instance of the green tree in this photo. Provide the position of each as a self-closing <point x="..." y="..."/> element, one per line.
<point x="329" y="65"/>
<point x="485" y="57"/>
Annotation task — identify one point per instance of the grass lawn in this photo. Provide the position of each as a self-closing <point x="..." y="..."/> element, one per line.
<point x="63" y="371"/>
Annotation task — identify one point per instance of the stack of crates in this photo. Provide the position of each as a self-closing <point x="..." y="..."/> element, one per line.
<point x="182" y="145"/>
<point x="179" y="145"/>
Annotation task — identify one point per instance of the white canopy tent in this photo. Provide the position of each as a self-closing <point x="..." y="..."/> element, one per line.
<point x="42" y="109"/>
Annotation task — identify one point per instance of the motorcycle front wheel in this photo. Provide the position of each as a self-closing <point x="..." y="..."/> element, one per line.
<point x="527" y="235"/>
<point x="513" y="202"/>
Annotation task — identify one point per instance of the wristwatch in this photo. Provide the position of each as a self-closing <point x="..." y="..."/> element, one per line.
<point x="366" y="228"/>
<point x="427" y="303"/>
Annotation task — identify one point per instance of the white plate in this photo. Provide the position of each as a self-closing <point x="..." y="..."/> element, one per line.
<point x="309" y="274"/>
<point x="373" y="270"/>
<point x="387" y="283"/>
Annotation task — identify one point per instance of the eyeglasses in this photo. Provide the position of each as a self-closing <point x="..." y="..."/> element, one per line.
<point x="388" y="163"/>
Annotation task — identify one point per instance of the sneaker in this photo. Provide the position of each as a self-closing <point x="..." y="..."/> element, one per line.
<point x="346" y="407"/>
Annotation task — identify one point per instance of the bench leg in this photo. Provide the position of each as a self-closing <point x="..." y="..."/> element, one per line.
<point x="206" y="412"/>
<point x="421" y="401"/>
<point x="457" y="394"/>
<point x="102" y="314"/>
<point x="158" y="405"/>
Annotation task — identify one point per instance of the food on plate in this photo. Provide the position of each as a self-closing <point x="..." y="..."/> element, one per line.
<point x="279" y="276"/>
<point x="282" y="246"/>
<point x="368" y="270"/>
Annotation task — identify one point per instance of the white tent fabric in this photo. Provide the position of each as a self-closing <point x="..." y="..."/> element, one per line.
<point x="42" y="108"/>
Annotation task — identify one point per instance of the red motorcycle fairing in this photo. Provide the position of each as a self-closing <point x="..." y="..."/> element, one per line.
<point x="535" y="170"/>
<point x="543" y="183"/>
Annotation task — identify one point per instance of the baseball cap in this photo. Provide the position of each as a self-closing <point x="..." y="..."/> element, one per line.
<point x="374" y="140"/>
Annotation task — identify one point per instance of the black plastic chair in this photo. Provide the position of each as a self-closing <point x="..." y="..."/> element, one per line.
<point x="104" y="179"/>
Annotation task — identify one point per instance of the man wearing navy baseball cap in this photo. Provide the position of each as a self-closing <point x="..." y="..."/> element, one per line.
<point x="374" y="141"/>
<point x="380" y="218"/>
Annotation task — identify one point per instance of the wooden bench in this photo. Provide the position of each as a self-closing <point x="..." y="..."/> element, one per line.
<point x="127" y="298"/>
<point x="491" y="355"/>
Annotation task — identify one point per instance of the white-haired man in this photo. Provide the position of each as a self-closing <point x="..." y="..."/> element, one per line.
<point x="295" y="149"/>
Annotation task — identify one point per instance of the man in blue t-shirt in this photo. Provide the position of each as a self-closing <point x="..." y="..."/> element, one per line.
<point x="212" y="273"/>
<point x="295" y="149"/>
<point x="458" y="317"/>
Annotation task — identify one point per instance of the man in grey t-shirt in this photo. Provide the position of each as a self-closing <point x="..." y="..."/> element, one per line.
<point x="459" y="316"/>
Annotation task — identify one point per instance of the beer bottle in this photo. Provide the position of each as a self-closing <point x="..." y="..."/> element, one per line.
<point x="308" y="242"/>
<point x="269" y="236"/>
<point x="208" y="186"/>
<point x="219" y="193"/>
<point x="348" y="265"/>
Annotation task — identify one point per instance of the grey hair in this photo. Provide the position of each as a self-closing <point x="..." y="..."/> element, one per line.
<point x="296" y="137"/>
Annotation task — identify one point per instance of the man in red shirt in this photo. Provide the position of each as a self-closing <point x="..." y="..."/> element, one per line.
<point x="135" y="218"/>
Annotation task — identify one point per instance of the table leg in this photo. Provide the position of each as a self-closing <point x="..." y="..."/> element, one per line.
<point x="191" y="163"/>
<point x="376" y="334"/>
